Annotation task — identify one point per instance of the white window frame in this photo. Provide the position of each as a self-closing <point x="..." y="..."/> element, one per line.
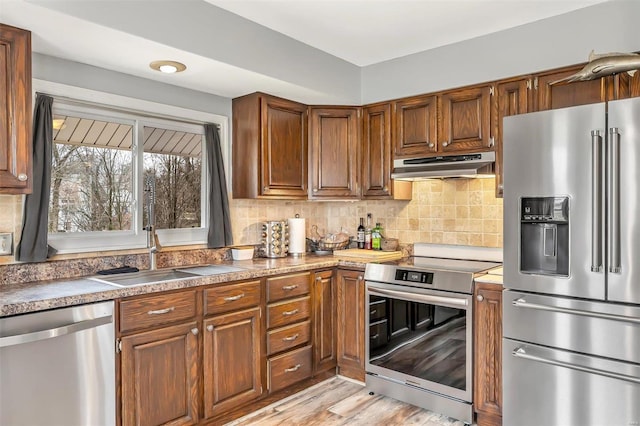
<point x="149" y="113"/>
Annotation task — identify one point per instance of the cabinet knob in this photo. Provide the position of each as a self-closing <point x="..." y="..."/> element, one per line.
<point x="385" y="188"/>
<point x="480" y="298"/>
<point x="492" y="141"/>
<point x="22" y="177"/>
<point x="445" y="143"/>
<point x="318" y="278"/>
<point x="431" y="145"/>
<point x="315" y="189"/>
<point x="194" y="331"/>
<point x="265" y="188"/>
<point x="210" y="327"/>
<point x="360" y="277"/>
<point x="501" y="187"/>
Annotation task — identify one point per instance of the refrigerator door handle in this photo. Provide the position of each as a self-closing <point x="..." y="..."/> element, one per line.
<point x="614" y="201"/>
<point x="522" y="353"/>
<point x="596" y="201"/>
<point x="522" y="303"/>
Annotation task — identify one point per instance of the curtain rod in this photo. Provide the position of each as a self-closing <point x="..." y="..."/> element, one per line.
<point x="123" y="109"/>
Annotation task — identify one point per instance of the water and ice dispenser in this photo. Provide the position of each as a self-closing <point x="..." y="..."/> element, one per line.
<point x="544" y="236"/>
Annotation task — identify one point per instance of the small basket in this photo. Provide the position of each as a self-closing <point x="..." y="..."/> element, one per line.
<point x="321" y="246"/>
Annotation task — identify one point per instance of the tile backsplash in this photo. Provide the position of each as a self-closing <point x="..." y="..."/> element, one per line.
<point x="448" y="211"/>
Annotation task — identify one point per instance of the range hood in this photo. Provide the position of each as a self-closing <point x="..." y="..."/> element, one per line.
<point x="444" y="166"/>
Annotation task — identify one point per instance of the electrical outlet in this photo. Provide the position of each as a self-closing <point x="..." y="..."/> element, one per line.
<point x="6" y="243"/>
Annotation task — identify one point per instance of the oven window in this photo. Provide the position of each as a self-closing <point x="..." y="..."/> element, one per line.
<point x="421" y="340"/>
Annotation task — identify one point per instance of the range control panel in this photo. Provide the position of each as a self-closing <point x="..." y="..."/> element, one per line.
<point x="414" y="276"/>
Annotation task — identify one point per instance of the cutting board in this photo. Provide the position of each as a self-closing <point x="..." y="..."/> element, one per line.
<point x="371" y="255"/>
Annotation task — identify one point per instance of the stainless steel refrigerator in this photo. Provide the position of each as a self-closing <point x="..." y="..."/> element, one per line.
<point x="571" y="318"/>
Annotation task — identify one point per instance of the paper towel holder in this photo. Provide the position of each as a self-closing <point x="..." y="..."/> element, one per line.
<point x="297" y="236"/>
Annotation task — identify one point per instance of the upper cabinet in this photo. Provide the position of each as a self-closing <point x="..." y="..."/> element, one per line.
<point x="513" y="97"/>
<point x="15" y="111"/>
<point x="563" y="95"/>
<point x="269" y="147"/>
<point x="334" y="152"/>
<point x="455" y="121"/>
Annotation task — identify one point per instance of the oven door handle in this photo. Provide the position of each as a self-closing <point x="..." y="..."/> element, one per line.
<point x="451" y="302"/>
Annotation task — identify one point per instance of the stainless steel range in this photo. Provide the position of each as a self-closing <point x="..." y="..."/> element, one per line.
<point x="419" y="327"/>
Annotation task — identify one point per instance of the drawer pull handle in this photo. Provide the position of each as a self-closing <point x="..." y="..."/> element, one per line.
<point x="162" y="311"/>
<point x="375" y="336"/>
<point x="292" y="369"/>
<point x="288" y="313"/>
<point x="232" y="298"/>
<point x="373" y="312"/>
<point x="289" y="287"/>
<point x="290" y="338"/>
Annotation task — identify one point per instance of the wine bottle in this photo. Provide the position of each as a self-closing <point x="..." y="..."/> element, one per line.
<point x="361" y="234"/>
<point x="367" y="233"/>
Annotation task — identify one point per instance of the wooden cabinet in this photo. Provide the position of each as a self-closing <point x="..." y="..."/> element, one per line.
<point x="334" y="152"/>
<point x="376" y="151"/>
<point x="465" y="120"/>
<point x="513" y="97"/>
<point x="289" y="335"/>
<point x="159" y="368"/>
<point x="572" y="94"/>
<point x="351" y="323"/>
<point x="488" y="354"/>
<point x="416" y="126"/>
<point x="232" y="346"/>
<point x="232" y="360"/>
<point x="456" y="121"/>
<point x="324" y="328"/>
<point x="15" y="111"/>
<point x="269" y="147"/>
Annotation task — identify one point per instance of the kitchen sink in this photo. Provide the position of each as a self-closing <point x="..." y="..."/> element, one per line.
<point x="162" y="276"/>
<point x="212" y="269"/>
<point x="144" y="277"/>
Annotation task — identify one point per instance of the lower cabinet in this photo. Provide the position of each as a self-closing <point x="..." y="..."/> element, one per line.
<point x="159" y="368"/>
<point x="232" y="360"/>
<point x="487" y="367"/>
<point x="351" y="326"/>
<point x="324" y="311"/>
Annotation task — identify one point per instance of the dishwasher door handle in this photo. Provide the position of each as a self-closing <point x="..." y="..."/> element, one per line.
<point x="19" y="339"/>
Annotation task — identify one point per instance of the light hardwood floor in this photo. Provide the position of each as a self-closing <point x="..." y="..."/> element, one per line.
<point x="338" y="401"/>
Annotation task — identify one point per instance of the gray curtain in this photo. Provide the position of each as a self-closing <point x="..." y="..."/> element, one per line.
<point x="33" y="245"/>
<point x="219" y="218"/>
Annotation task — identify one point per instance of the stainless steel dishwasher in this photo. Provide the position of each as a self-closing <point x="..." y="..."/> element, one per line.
<point x="57" y="368"/>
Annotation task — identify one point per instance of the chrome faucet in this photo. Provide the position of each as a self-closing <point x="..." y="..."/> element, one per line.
<point x="152" y="238"/>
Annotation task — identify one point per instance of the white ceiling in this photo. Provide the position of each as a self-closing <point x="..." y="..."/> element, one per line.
<point x="362" y="32"/>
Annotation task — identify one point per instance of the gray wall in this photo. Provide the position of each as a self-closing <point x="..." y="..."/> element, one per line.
<point x="89" y="77"/>
<point x="550" y="43"/>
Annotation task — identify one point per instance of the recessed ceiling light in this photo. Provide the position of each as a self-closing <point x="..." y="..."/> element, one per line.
<point x="168" y="67"/>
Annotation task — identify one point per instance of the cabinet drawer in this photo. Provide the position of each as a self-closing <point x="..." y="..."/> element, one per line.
<point x="282" y="339"/>
<point x="377" y="310"/>
<point x="155" y="310"/>
<point x="289" y="368"/>
<point x="289" y="312"/>
<point x="288" y="286"/>
<point x="231" y="297"/>
<point x="378" y="334"/>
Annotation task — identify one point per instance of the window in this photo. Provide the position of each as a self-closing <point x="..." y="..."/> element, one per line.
<point x="100" y="161"/>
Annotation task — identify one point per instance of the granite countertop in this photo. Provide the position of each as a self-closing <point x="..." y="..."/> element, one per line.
<point x="41" y="295"/>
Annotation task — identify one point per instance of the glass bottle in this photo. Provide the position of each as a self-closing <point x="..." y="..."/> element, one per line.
<point x="376" y="237"/>
<point x="361" y="234"/>
<point x="367" y="233"/>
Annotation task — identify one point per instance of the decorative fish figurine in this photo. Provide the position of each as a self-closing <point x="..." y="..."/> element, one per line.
<point x="604" y="64"/>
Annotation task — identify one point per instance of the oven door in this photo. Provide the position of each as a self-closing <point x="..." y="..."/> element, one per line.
<point x="420" y="337"/>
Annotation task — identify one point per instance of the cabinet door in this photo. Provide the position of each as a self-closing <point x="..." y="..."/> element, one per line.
<point x="232" y="367"/>
<point x="350" y="331"/>
<point x="15" y="111"/>
<point x="416" y="126"/>
<point x="628" y="86"/>
<point x="514" y="97"/>
<point x="376" y="151"/>
<point x="334" y="155"/>
<point x="488" y="354"/>
<point x="283" y="148"/>
<point x="466" y="120"/>
<point x="563" y="95"/>
<point x="160" y="376"/>
<point x="324" y="314"/>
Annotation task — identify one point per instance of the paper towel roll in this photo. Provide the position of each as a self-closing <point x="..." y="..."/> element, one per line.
<point x="297" y="236"/>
